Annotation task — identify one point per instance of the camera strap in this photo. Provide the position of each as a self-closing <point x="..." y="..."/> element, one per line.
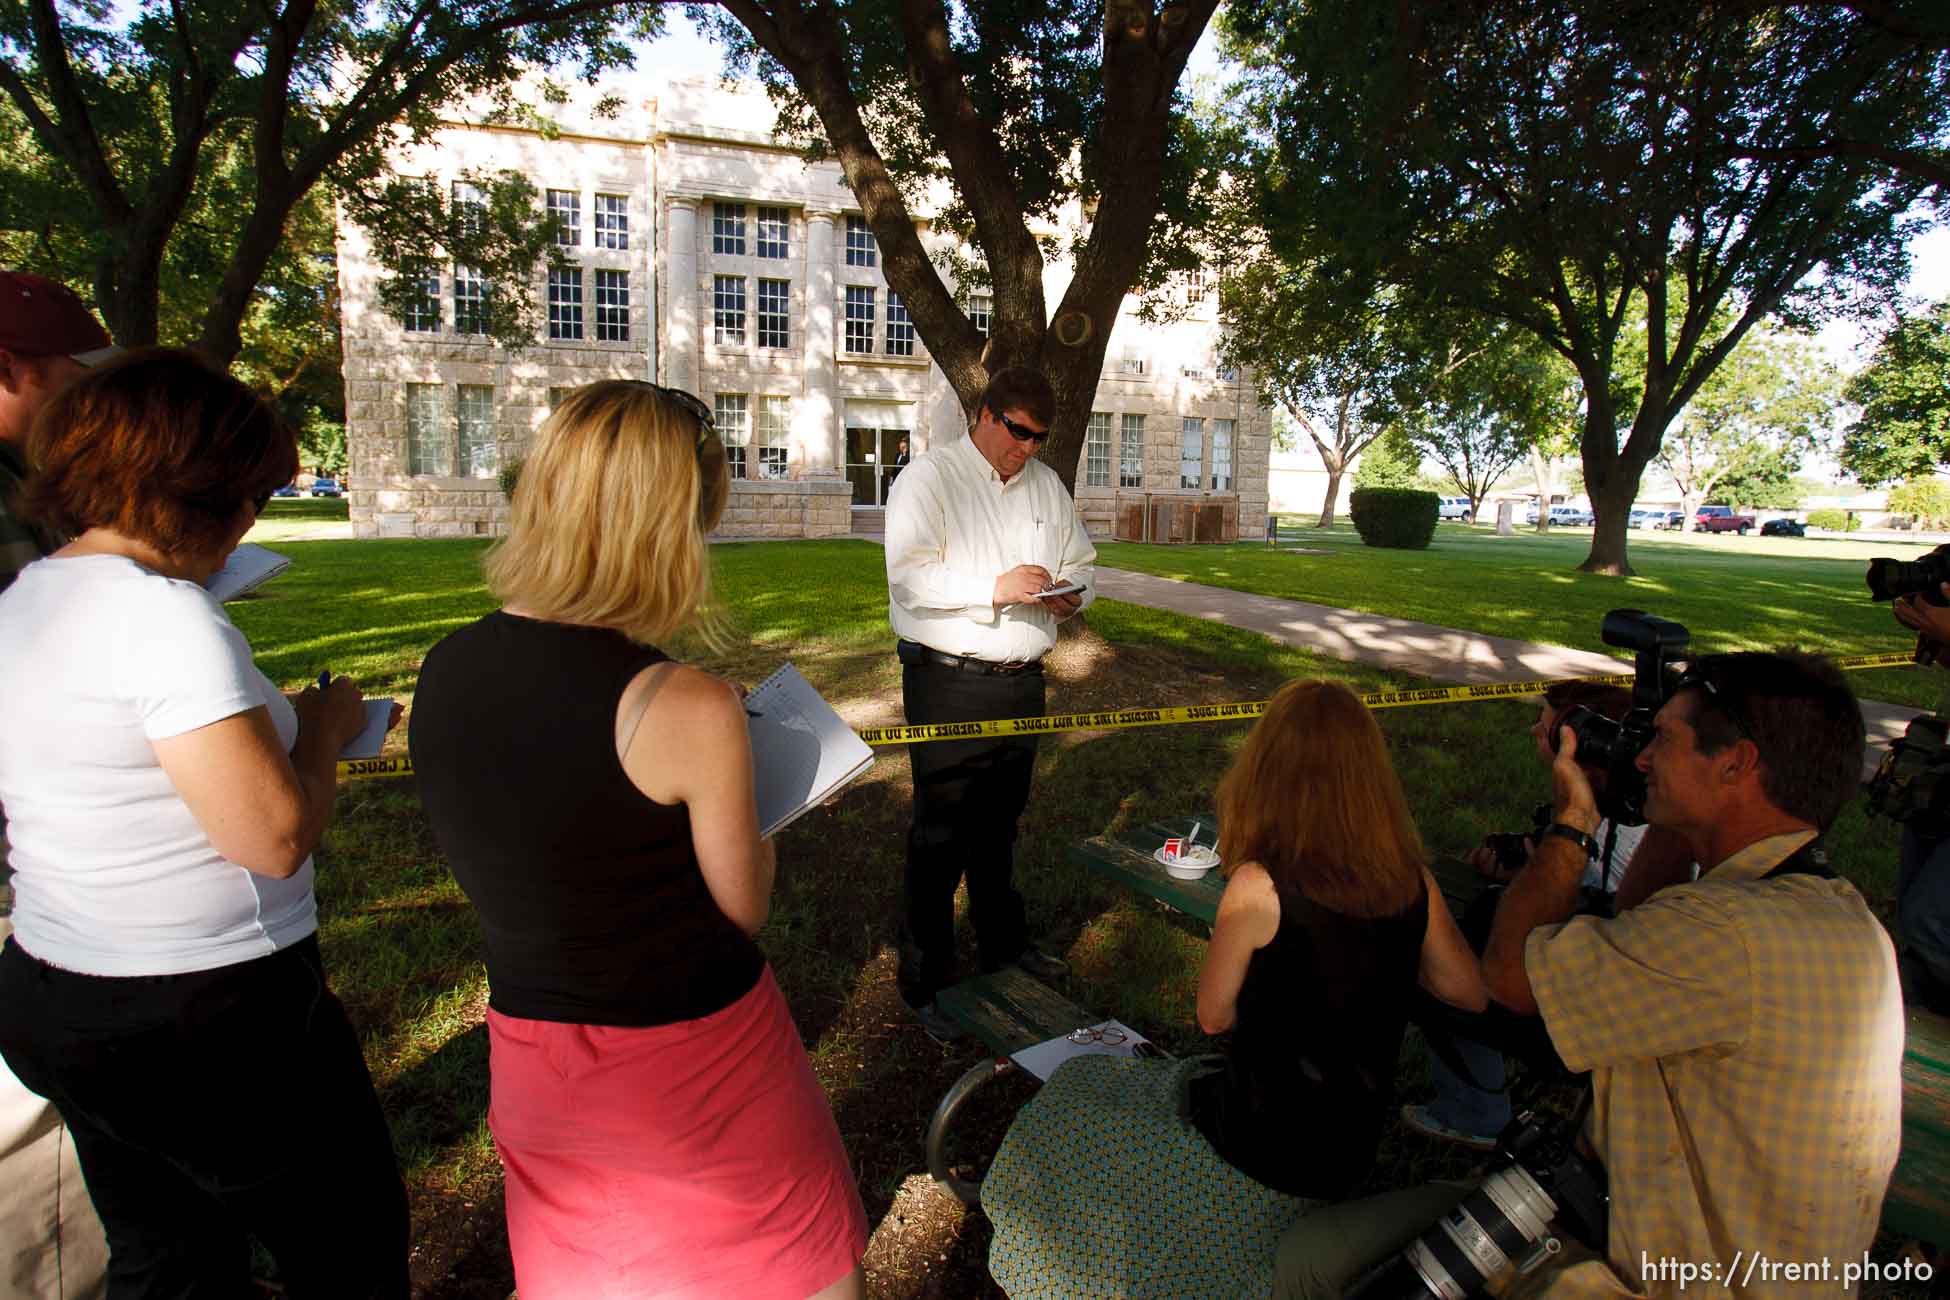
<point x="1811" y="859"/>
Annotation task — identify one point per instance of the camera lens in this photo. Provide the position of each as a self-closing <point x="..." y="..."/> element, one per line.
<point x="1890" y="578"/>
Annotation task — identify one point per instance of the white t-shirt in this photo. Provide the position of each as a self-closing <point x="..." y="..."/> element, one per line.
<point x="1621" y="855"/>
<point x="114" y="876"/>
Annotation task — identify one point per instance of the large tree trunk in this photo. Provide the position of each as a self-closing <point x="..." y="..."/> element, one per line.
<point x="1611" y="479"/>
<point x="1333" y="496"/>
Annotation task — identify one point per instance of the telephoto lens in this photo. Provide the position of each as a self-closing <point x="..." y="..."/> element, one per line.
<point x="1889" y="578"/>
<point x="1494" y="1231"/>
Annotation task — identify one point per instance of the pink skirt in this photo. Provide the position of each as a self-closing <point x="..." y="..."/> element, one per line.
<point x="686" y="1160"/>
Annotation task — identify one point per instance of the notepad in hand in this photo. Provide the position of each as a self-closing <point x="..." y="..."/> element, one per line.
<point x="801" y="751"/>
<point x="368" y="742"/>
<point x="249" y="567"/>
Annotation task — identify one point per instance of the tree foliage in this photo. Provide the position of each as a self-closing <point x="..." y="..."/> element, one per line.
<point x="1022" y="113"/>
<point x="1752" y="422"/>
<point x="1925" y="499"/>
<point x="168" y="156"/>
<point x="1550" y="162"/>
<point x="1499" y="394"/>
<point x="1904" y="396"/>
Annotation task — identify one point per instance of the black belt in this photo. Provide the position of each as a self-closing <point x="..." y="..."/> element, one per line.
<point x="913" y="652"/>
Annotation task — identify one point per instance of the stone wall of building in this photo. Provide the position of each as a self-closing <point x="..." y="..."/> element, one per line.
<point x="808" y="507"/>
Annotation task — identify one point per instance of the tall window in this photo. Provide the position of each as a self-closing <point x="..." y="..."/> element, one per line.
<point x="613" y="306"/>
<point x="470" y="206"/>
<point x="733" y="416"/>
<point x="612" y="221"/>
<point x="728" y="229"/>
<point x="774" y="313"/>
<point x="1222" y="454"/>
<point x="1191" y="453"/>
<point x="774" y="435"/>
<point x="727" y="309"/>
<point x="429" y="445"/>
<point x="859" y="318"/>
<point x="1227" y="374"/>
<point x="1197" y="285"/>
<point x="900" y="327"/>
<point x="981" y="309"/>
<point x="421" y="314"/>
<point x="1096" y="450"/>
<point x="565" y="302"/>
<point x="480" y="457"/>
<point x="860" y="248"/>
<point x="775" y="232"/>
<point x="470" y="301"/>
<point x="1130" y="452"/>
<point x="566" y="207"/>
<point x="1133" y="362"/>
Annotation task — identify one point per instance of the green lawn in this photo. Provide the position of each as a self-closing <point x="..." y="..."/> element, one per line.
<point x="1733" y="593"/>
<point x="402" y="945"/>
<point x="298" y="518"/>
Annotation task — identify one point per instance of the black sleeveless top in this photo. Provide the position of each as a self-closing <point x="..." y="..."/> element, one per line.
<point x="592" y="907"/>
<point x="1310" y="1068"/>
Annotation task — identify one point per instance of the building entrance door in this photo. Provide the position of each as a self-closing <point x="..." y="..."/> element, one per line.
<point x="872" y="457"/>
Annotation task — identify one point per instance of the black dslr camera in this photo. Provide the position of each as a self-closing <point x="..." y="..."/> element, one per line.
<point x="1543" y="1186"/>
<point x="1890" y="579"/>
<point x="1613" y="747"/>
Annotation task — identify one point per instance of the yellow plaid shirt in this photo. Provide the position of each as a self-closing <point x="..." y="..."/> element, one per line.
<point x="1745" y="1041"/>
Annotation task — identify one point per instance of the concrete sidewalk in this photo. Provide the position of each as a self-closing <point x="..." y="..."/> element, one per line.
<point x="1441" y="654"/>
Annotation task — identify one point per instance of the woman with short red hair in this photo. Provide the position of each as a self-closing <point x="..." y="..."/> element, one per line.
<point x="163" y="986"/>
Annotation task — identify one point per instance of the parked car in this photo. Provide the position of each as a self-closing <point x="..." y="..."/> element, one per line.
<point x="1673" y="519"/>
<point x="1721" y="519"/>
<point x="288" y="490"/>
<point x="1784" y="528"/>
<point x="1570" y="516"/>
<point x="1455" y="508"/>
<point x="326" y="487"/>
<point x="1644" y="518"/>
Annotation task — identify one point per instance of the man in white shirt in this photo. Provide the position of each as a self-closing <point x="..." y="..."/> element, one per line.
<point x="978" y="531"/>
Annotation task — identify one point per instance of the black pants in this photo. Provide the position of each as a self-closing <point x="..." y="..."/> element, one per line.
<point x="211" y="1107"/>
<point x="968" y="795"/>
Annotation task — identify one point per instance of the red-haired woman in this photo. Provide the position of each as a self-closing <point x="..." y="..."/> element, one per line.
<point x="1186" y="1172"/>
<point x="163" y="986"/>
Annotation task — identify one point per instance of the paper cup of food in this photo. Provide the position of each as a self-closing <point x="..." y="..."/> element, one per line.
<point x="1186" y="862"/>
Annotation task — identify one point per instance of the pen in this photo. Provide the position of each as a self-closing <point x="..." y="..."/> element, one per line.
<point x="324" y="678"/>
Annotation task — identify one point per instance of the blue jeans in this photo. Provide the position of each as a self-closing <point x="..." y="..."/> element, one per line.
<point x="1460" y="1104"/>
<point x="1923" y="907"/>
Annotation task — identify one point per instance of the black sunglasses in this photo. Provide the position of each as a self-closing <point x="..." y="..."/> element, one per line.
<point x="1718" y="697"/>
<point x="1022" y="432"/>
<point x="692" y="404"/>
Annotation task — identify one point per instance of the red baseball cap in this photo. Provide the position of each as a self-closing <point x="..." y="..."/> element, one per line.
<point x="42" y="318"/>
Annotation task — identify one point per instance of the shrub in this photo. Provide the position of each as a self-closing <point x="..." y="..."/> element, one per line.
<point x="510" y="474"/>
<point x="1400" y="518"/>
<point x="1831" y="520"/>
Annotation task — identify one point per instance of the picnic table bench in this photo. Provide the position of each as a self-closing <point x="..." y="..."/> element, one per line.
<point x="1007" y="1010"/>
<point x="1918" y="1203"/>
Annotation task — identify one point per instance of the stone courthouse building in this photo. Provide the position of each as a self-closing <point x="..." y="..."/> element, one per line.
<point x="709" y="256"/>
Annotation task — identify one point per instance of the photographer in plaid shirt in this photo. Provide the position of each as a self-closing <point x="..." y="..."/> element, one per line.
<point x="1744" y="1031"/>
<point x="50" y="1240"/>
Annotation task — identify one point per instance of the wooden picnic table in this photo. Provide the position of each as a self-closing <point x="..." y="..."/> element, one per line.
<point x="1126" y="857"/>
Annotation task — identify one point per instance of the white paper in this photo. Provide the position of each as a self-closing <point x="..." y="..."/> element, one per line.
<point x="249" y="567"/>
<point x="801" y="750"/>
<point x="366" y="744"/>
<point x="1042" y="1059"/>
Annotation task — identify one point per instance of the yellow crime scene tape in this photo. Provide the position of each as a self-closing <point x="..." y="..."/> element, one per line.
<point x="1175" y="715"/>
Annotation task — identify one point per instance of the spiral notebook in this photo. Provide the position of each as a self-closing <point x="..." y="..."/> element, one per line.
<point x="249" y="567"/>
<point x="801" y="751"/>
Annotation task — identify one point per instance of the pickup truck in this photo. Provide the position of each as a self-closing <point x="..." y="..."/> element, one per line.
<point x="1721" y="519"/>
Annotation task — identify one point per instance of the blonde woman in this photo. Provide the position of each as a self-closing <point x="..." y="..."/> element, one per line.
<point x="661" y="1127"/>
<point x="1184" y="1173"/>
